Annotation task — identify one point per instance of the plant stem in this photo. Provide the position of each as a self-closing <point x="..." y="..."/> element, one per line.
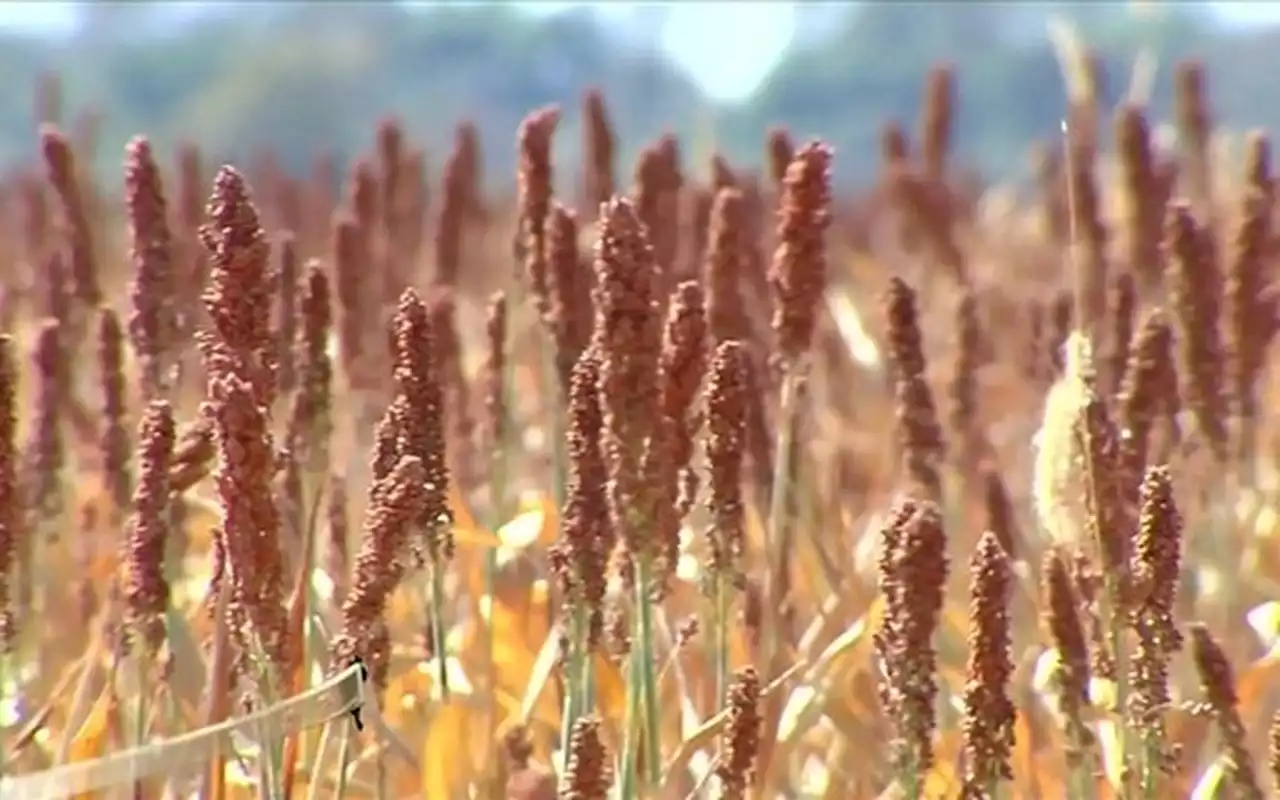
<point x="558" y="461"/>
<point x="317" y="761"/>
<point x="575" y="674"/>
<point x="779" y="508"/>
<point x="438" y="627"/>
<point x="140" y="724"/>
<point x="344" y="755"/>
<point x="643" y="649"/>
<point x="380" y="779"/>
<point x="720" y="622"/>
<point x="630" y="745"/>
<point x="909" y="779"/>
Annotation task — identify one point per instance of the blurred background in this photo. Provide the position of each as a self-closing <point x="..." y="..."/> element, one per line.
<point x="299" y="77"/>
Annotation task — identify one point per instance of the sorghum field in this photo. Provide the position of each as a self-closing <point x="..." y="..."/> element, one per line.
<point x="686" y="483"/>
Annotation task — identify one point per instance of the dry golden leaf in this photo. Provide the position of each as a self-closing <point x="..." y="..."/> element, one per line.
<point x="295" y="744"/>
<point x="943" y="781"/>
<point x="202" y="517"/>
<point x="444" y="759"/>
<point x="521" y="629"/>
<point x="1257" y="678"/>
<point x="611" y="689"/>
<point x="534" y="524"/>
<point x="1111" y="741"/>
<point x="90" y="741"/>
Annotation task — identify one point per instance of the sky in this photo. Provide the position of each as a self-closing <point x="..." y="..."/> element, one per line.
<point x="719" y="62"/>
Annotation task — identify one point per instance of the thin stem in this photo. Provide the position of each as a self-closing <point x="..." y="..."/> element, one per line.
<point x="779" y="509"/>
<point x="558" y="458"/>
<point x="6" y="670"/>
<point x="499" y="467"/>
<point x="317" y="762"/>
<point x="344" y="756"/>
<point x="1150" y="766"/>
<point x="630" y="745"/>
<point x="574" y="674"/>
<point x="438" y="628"/>
<point x="720" y="622"/>
<point x="380" y="776"/>
<point x="909" y="778"/>
<point x="140" y="724"/>
<point x="643" y="649"/>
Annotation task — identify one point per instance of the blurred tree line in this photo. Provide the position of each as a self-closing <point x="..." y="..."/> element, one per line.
<point x="301" y="77"/>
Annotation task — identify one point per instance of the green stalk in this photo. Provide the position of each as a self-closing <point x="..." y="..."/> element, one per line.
<point x="909" y="779"/>
<point x="438" y="627"/>
<point x="720" y="645"/>
<point x="778" y="509"/>
<point x="344" y="756"/>
<point x="317" y="762"/>
<point x="312" y="487"/>
<point x="575" y="674"/>
<point x="140" y="724"/>
<point x="630" y="746"/>
<point x="497" y="512"/>
<point x="1150" y="766"/>
<point x="380" y="776"/>
<point x="1079" y="776"/>
<point x="558" y="458"/>
<point x="645" y="671"/>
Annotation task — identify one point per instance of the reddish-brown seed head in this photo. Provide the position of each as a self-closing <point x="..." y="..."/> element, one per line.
<point x="11" y="505"/>
<point x="387" y="540"/>
<point x="311" y="422"/>
<point x="726" y="434"/>
<point x="238" y="296"/>
<point x="581" y="556"/>
<point x="798" y="275"/>
<point x="569" y="313"/>
<point x="988" y="711"/>
<point x="153" y="287"/>
<point x="114" y="443"/>
<point x="588" y="774"/>
<point x="628" y="335"/>
<point x="921" y="444"/>
<point x="741" y="743"/>
<point x="250" y="518"/>
<point x="422" y="435"/>
<point x="681" y="369"/>
<point x="146" y="588"/>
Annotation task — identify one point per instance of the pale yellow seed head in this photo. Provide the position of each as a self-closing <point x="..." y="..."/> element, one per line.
<point x="1058" y="480"/>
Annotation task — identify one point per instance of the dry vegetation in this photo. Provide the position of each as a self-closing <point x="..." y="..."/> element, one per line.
<point x="716" y="486"/>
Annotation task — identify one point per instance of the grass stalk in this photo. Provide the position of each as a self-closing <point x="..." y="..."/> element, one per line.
<point x="381" y="788"/>
<point x="575" y="695"/>
<point x="438" y="628"/>
<point x="909" y="778"/>
<point x="344" y="757"/>
<point x="499" y="470"/>
<point x="779" y="511"/>
<point x="8" y="676"/>
<point x="142" y="710"/>
<point x="627" y="779"/>
<point x="317" y="762"/>
<point x="644" y="652"/>
<point x="720" y="637"/>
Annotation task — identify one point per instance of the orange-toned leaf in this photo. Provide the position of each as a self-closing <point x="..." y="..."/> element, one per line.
<point x="90" y="741"/>
<point x="1257" y="677"/>
<point x="611" y="689"/>
<point x="534" y="524"/>
<point x="298" y="679"/>
<point x="444" y="758"/>
<point x="462" y="516"/>
<point x="201" y="518"/>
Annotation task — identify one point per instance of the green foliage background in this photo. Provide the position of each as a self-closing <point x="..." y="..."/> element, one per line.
<point x="299" y="77"/>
